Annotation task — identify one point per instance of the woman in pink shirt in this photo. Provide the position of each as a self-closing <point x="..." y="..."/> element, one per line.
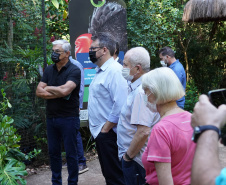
<point x="170" y="150"/>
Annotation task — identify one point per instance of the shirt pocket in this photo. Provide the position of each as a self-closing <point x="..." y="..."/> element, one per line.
<point x="100" y="91"/>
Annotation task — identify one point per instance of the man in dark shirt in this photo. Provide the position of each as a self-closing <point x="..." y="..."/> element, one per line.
<point x="60" y="87"/>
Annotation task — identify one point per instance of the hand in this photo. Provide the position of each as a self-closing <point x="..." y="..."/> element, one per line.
<point x="107" y="126"/>
<point x="104" y="130"/>
<point x="46" y="88"/>
<point x="206" y="114"/>
<point x="125" y="159"/>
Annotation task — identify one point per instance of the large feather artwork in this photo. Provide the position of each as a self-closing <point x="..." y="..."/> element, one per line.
<point x="111" y="18"/>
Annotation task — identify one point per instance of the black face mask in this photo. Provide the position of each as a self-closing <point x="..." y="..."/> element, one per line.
<point x="55" y="57"/>
<point x="92" y="56"/>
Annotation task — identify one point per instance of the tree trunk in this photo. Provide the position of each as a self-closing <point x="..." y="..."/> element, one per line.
<point x="10" y="30"/>
<point x="213" y="31"/>
<point x="10" y="45"/>
<point x="185" y="55"/>
<point x="44" y="34"/>
<point x="187" y="66"/>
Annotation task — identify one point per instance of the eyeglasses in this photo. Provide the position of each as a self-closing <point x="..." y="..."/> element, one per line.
<point x="58" y="51"/>
<point x="93" y="48"/>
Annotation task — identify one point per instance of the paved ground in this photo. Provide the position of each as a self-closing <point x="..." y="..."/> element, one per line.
<point x="222" y="155"/>
<point x="93" y="176"/>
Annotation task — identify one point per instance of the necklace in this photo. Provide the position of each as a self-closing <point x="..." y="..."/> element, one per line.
<point x="168" y="111"/>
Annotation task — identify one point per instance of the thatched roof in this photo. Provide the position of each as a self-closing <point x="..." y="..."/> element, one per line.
<point x="204" y="10"/>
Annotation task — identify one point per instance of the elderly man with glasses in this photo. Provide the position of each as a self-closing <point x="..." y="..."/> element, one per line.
<point x="60" y="86"/>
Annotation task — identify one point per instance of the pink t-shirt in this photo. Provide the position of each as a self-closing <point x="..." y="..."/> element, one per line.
<point x="170" y="142"/>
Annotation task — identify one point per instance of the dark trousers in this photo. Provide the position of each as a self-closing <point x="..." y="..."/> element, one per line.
<point x="134" y="174"/>
<point x="66" y="129"/>
<point x="107" y="149"/>
<point x="81" y="158"/>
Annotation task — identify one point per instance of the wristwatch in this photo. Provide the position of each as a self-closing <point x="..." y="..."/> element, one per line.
<point x="200" y="129"/>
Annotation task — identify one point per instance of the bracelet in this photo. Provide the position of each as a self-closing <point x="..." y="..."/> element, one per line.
<point x="128" y="157"/>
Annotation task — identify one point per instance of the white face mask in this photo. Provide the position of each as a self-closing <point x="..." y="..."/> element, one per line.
<point x="152" y="107"/>
<point x="146" y="99"/>
<point x="163" y="63"/>
<point x="126" y="74"/>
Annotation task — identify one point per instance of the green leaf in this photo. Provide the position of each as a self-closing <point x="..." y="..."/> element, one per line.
<point x="11" y="172"/>
<point x="9" y="105"/>
<point x="55" y="3"/>
<point x="65" y="14"/>
<point x="15" y="146"/>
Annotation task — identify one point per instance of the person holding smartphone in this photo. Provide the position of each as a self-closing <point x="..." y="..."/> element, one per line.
<point x="206" y="168"/>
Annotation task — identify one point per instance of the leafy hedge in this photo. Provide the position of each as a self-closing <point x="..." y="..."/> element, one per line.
<point x="11" y="167"/>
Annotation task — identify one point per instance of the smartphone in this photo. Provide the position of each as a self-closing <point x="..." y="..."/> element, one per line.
<point x="218" y="97"/>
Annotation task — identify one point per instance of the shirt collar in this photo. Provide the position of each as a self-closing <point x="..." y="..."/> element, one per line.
<point x="135" y="84"/>
<point x="174" y="63"/>
<point x="65" y="66"/>
<point x="105" y="65"/>
<point x="116" y="59"/>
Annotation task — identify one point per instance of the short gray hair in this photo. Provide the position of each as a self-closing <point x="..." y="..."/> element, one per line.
<point x="105" y="40"/>
<point x="139" y="55"/>
<point x="65" y="45"/>
<point x="164" y="84"/>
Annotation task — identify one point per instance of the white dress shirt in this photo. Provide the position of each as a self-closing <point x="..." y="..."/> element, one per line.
<point x="107" y="94"/>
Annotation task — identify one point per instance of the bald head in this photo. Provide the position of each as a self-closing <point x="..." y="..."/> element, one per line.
<point x="139" y="56"/>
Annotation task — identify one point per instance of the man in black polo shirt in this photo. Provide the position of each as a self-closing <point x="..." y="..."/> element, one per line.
<point x="60" y="86"/>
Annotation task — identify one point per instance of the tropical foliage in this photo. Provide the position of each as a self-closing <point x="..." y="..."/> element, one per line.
<point x="57" y="19"/>
<point x="11" y="167"/>
<point x="199" y="46"/>
<point x="20" y="22"/>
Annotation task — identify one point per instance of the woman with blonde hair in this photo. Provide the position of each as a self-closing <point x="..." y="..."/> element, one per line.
<point x="170" y="150"/>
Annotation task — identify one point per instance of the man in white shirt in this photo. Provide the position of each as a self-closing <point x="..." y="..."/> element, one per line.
<point x="136" y="119"/>
<point x="107" y="94"/>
